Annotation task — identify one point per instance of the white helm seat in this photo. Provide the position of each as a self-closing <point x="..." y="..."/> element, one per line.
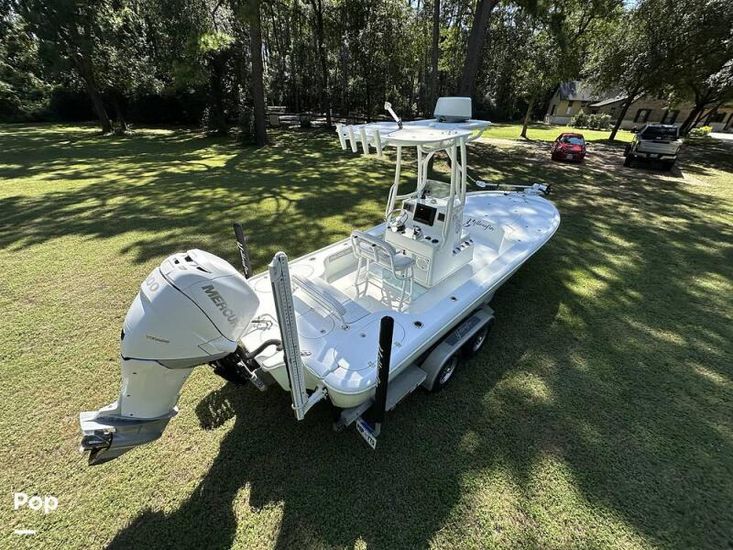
<point x="370" y="250"/>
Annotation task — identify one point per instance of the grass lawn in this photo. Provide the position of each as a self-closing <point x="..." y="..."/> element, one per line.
<point x="547" y="132"/>
<point x="599" y="415"/>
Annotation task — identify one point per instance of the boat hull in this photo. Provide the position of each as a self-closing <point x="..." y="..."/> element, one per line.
<point x="339" y="345"/>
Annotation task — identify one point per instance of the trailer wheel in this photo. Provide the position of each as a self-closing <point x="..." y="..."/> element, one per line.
<point x="477" y="341"/>
<point x="446" y="373"/>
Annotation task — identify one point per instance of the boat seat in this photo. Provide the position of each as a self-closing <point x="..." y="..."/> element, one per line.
<point x="370" y="250"/>
<point x="331" y="298"/>
<point x="402" y="262"/>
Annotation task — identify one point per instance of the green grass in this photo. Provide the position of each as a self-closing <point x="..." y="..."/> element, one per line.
<point x="547" y="132"/>
<point x="599" y="414"/>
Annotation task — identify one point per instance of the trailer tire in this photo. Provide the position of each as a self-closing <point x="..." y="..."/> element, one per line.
<point x="476" y="342"/>
<point x="446" y="373"/>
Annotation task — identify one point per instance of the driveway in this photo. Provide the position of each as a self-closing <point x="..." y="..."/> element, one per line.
<point x="603" y="158"/>
<point x="721" y="135"/>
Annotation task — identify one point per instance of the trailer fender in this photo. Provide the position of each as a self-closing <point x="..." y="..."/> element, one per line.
<point x="452" y="343"/>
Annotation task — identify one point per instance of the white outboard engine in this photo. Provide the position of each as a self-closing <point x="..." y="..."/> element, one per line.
<point x="190" y="311"/>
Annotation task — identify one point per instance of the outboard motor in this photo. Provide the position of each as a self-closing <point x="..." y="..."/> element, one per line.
<point x="190" y="311"/>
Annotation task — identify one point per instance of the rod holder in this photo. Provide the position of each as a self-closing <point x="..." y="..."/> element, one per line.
<point x="243" y="250"/>
<point x="384" y="358"/>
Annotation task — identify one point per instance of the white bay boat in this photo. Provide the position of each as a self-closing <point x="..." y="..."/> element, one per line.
<point x="359" y="324"/>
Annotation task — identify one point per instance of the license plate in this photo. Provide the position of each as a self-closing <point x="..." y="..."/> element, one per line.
<point x="570" y="157"/>
<point x="654" y="156"/>
<point x="366" y="433"/>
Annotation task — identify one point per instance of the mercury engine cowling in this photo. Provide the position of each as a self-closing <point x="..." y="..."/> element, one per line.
<point x="191" y="310"/>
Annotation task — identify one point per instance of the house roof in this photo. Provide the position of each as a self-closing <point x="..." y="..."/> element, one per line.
<point x="608" y="101"/>
<point x="575" y="90"/>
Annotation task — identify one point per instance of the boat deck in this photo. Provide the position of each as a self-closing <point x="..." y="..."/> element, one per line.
<point x="338" y="325"/>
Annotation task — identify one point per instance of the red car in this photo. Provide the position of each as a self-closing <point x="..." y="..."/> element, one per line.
<point x="569" y="147"/>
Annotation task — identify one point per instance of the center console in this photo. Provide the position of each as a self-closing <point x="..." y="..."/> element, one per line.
<point x="435" y="239"/>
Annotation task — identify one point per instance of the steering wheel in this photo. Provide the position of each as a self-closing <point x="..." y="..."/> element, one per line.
<point x="396" y="218"/>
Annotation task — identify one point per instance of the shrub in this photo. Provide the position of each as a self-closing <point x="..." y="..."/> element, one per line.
<point x="70" y="105"/>
<point x="595" y="121"/>
<point x="305" y="120"/>
<point x="599" y="121"/>
<point x="169" y="107"/>
<point x="580" y="120"/>
<point x="701" y="131"/>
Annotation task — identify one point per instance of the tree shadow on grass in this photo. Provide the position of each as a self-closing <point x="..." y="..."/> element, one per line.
<point x="608" y="382"/>
<point x="610" y="358"/>
<point x="708" y="153"/>
<point x="184" y="188"/>
<point x="333" y="489"/>
<point x="623" y="379"/>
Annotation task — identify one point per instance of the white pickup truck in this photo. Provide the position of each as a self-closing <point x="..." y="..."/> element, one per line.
<point x="654" y="142"/>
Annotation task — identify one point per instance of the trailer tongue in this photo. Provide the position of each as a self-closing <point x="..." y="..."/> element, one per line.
<point x="359" y="324"/>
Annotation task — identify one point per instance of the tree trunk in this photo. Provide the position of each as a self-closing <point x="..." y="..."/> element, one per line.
<point x="702" y="100"/>
<point x="295" y="78"/>
<point x="344" y="78"/>
<point x="713" y="110"/>
<point x="85" y="69"/>
<point x="325" y="98"/>
<point x="622" y="114"/>
<point x="475" y="44"/>
<point x="700" y="117"/>
<point x="119" y="115"/>
<point x="343" y="63"/>
<point x="368" y="98"/>
<point x="691" y="122"/>
<point x="217" y="123"/>
<point x="691" y="119"/>
<point x="99" y="109"/>
<point x="527" y="115"/>
<point x="258" y="88"/>
<point x="90" y="84"/>
<point x="435" y="52"/>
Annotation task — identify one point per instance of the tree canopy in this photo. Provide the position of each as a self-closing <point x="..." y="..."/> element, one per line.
<point x="219" y="63"/>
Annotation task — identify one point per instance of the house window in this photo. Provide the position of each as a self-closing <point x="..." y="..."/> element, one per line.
<point x="569" y="110"/>
<point x="670" y="117"/>
<point x="716" y="117"/>
<point x="642" y="115"/>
